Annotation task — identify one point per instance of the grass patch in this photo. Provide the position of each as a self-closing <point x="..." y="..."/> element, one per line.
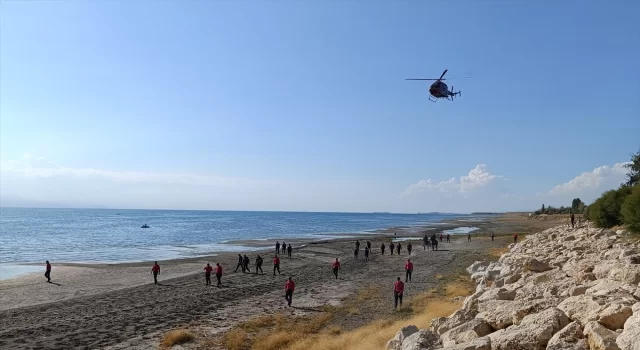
<point x="439" y="276"/>
<point x="235" y="339"/>
<point x="176" y="337"/>
<point x="497" y="252"/>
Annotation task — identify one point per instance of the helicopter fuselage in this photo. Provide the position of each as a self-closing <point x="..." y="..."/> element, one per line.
<point x="439" y="90"/>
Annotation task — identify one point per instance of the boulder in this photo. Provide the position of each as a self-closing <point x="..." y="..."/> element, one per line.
<point x="577" y="290"/>
<point x="435" y="323"/>
<point x="534" y="306"/>
<point x="483" y="343"/>
<point x="401" y="335"/>
<point x="455" y="319"/>
<point x="533" y="333"/>
<point x="614" y="315"/>
<point x="424" y="339"/>
<point x="599" y="337"/>
<point x="466" y="332"/>
<point x="536" y="265"/>
<point x="625" y="273"/>
<point x="497" y="294"/>
<point x="606" y="287"/>
<point x="496" y="313"/>
<point x="569" y="337"/>
<point x="581" y="308"/>
<point x="477" y="266"/>
<point x="629" y="339"/>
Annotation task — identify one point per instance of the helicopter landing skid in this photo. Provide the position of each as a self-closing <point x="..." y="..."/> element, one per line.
<point x="433" y="99"/>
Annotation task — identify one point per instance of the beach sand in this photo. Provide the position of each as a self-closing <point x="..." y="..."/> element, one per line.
<point x="118" y="307"/>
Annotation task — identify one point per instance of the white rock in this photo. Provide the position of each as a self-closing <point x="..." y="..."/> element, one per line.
<point x="497" y="313"/>
<point x="401" y="335"/>
<point x="614" y="315"/>
<point x="582" y="308"/>
<point x="497" y="294"/>
<point x="466" y="332"/>
<point x="569" y="337"/>
<point x="534" y="332"/>
<point x="421" y="340"/>
<point x="455" y="319"/>
<point x="599" y="337"/>
<point x="629" y="339"/>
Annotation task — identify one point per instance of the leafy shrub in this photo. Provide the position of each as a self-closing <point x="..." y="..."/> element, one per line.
<point x="631" y="210"/>
<point x="605" y="211"/>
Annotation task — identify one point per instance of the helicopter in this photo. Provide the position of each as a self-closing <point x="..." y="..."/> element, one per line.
<point x="439" y="89"/>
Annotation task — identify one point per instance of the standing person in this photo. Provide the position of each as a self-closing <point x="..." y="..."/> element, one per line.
<point x="492" y="236"/>
<point x="276" y="265"/>
<point x="409" y="247"/>
<point x="434" y="242"/>
<point x="366" y="253"/>
<point x="278" y="247"/>
<point x="391" y="247"/>
<point x="369" y="245"/>
<point x="155" y="271"/>
<point x="398" y="290"/>
<point x="335" y="266"/>
<point x="289" y="250"/>
<point x="382" y="247"/>
<point x="207" y="274"/>
<point x="245" y="264"/>
<point x="289" y="287"/>
<point x="240" y="263"/>
<point x="448" y="238"/>
<point x="440" y="237"/>
<point x="425" y="242"/>
<point x="284" y="248"/>
<point x="355" y="253"/>
<point x="515" y="238"/>
<point x="357" y="244"/>
<point x="47" y="272"/>
<point x="219" y="274"/>
<point x="259" y="264"/>
<point x="573" y="220"/>
<point x="399" y="247"/>
<point x="469" y="237"/>
<point x="408" y="268"/>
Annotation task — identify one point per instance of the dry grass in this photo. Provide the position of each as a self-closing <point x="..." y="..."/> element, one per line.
<point x="176" y="337"/>
<point x="497" y="252"/>
<point x="235" y="339"/>
<point x="439" y="276"/>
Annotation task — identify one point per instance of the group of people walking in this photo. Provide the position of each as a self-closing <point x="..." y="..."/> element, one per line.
<point x="283" y="248"/>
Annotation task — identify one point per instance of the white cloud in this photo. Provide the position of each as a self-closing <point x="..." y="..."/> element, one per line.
<point x="38" y="167"/>
<point x="477" y="177"/>
<point x="604" y="176"/>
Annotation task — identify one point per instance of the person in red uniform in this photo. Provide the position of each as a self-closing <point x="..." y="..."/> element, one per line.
<point x="155" y="271"/>
<point x="207" y="274"/>
<point x="47" y="272"/>
<point x="288" y="290"/>
<point x="515" y="238"/>
<point x="408" y="267"/>
<point x="335" y="266"/>
<point x="219" y="274"/>
<point x="276" y="265"/>
<point x="398" y="290"/>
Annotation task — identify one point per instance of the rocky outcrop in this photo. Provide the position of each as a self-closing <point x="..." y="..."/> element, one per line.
<point x="560" y="289"/>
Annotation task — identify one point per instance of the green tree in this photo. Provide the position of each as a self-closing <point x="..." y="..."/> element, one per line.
<point x="633" y="176"/>
<point x="577" y="206"/>
<point x="605" y="211"/>
<point x="631" y="210"/>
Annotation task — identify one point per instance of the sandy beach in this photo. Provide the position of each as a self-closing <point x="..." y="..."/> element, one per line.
<point x="117" y="306"/>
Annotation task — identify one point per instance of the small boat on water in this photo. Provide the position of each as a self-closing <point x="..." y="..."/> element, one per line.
<point x="145" y="226"/>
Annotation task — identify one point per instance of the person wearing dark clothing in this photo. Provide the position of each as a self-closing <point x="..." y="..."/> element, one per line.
<point x="336" y="267"/>
<point x="259" y="264"/>
<point x="219" y="274"/>
<point x="207" y="274"/>
<point x="358" y="244"/>
<point x="245" y="264"/>
<point x="369" y="245"/>
<point x="434" y="243"/>
<point x="408" y="268"/>
<point x="276" y="265"/>
<point x="469" y="237"/>
<point x="278" y="247"/>
<point x="366" y="253"/>
<point x="382" y="247"/>
<point x="284" y="248"/>
<point x="492" y="236"/>
<point x="448" y="238"/>
<point x="240" y="263"/>
<point x="409" y="247"/>
<point x="398" y="290"/>
<point x="515" y="238"/>
<point x="355" y="253"/>
<point x="426" y="242"/>
<point x="47" y="272"/>
<point x="391" y="247"/>
<point x="289" y="287"/>
<point x="289" y="250"/>
<point x="155" y="271"/>
<point x="573" y="220"/>
<point x="399" y="247"/>
<point x="441" y="238"/>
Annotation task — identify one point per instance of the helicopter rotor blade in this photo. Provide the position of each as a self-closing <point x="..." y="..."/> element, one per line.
<point x="443" y="73"/>
<point x="420" y="79"/>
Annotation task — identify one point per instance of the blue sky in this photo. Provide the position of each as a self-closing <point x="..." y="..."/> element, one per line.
<point x="302" y="105"/>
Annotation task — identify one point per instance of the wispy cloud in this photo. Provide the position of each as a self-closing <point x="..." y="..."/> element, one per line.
<point x="37" y="167"/>
<point x="477" y="177"/>
<point x="601" y="176"/>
